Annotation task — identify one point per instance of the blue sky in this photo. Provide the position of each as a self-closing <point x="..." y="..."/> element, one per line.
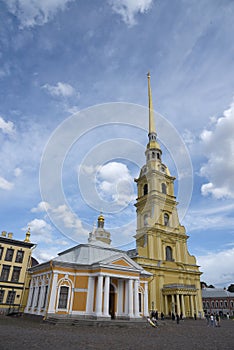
<point x="73" y="119"/>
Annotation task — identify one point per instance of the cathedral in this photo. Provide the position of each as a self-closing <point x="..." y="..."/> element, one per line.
<point x="94" y="280"/>
<point x="161" y="241"/>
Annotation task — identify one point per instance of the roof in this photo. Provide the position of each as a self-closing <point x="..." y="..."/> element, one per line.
<point x="97" y="255"/>
<point x="16" y="242"/>
<point x="216" y="293"/>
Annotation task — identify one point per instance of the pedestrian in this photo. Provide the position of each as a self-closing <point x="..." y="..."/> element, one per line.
<point x="217" y="320"/>
<point x="177" y="319"/>
<point x="162" y="316"/>
<point x="156" y="315"/>
<point x="195" y="316"/>
<point x="207" y="319"/>
<point x="181" y="315"/>
<point x="212" y="320"/>
<point x="173" y="316"/>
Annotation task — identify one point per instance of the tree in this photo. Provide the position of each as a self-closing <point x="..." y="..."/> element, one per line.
<point x="231" y="288"/>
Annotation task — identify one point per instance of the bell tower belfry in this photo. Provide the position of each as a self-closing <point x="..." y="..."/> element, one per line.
<point x="161" y="241"/>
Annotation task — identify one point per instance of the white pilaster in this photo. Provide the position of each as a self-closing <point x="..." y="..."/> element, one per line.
<point x="126" y="297"/>
<point x="53" y="286"/>
<point x="182" y="305"/>
<point x="99" y="296"/>
<point x="136" y="298"/>
<point x="178" y="304"/>
<point x="146" y="301"/>
<point x="130" y="299"/>
<point x="106" y="296"/>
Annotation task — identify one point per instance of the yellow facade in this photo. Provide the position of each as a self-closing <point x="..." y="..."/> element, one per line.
<point x="160" y="239"/>
<point x="89" y="281"/>
<point x="15" y="259"/>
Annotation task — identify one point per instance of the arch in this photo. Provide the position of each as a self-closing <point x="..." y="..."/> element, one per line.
<point x="164" y="188"/>
<point x="166" y="219"/>
<point x="65" y="286"/>
<point x="145" y="189"/>
<point x="169" y="253"/>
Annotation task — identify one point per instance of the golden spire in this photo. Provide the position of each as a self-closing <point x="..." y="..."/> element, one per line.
<point x="27" y="238"/>
<point x="151" y="109"/>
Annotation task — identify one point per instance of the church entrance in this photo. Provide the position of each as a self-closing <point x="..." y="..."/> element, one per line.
<point x="112" y="302"/>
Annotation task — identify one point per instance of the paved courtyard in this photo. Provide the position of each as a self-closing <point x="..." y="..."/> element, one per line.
<point x="24" y="333"/>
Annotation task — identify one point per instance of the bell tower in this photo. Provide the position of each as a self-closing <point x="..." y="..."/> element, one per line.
<point x="161" y="241"/>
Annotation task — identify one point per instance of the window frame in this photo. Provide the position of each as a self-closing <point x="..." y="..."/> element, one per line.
<point x="8" y="256"/>
<point x="63" y="297"/>
<point x="5" y="272"/>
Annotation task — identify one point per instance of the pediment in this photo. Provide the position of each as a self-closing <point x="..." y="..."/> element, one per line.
<point x="121" y="262"/>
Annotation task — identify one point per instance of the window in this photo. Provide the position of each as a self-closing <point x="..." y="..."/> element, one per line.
<point x="164" y="188"/>
<point x="153" y="154"/>
<point x="158" y="155"/>
<point x="169" y="254"/>
<point x="38" y="296"/>
<point x="1" y="251"/>
<point x="31" y="301"/>
<point x="146" y="220"/>
<point x="207" y="304"/>
<point x="225" y="304"/>
<point x="2" y="292"/>
<point x="19" y="256"/>
<point x="10" y="297"/>
<point x="145" y="189"/>
<point x="231" y="304"/>
<point x="15" y="274"/>
<point x="5" y="273"/>
<point x="217" y="304"/>
<point x="166" y="219"/>
<point x="9" y="254"/>
<point x="63" y="296"/>
<point x="212" y="304"/>
<point x="45" y="296"/>
<point x="221" y="304"/>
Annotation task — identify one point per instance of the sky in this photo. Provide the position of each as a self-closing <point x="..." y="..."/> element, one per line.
<point x="73" y="119"/>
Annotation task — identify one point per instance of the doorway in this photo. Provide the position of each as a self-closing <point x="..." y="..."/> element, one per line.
<point x="112" y="302"/>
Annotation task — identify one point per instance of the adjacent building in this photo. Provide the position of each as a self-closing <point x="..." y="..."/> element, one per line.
<point x="15" y="259"/>
<point x="90" y="280"/>
<point x="161" y="241"/>
<point x="218" y="300"/>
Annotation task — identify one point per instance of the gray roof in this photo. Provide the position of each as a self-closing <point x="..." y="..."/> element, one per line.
<point x="216" y="293"/>
<point x="96" y="254"/>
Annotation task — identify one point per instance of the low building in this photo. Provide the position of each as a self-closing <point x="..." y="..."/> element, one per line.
<point x="218" y="300"/>
<point x="90" y="280"/>
<point x="15" y="259"/>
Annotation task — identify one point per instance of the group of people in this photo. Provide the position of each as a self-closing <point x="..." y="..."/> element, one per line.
<point x="154" y="317"/>
<point x="213" y="320"/>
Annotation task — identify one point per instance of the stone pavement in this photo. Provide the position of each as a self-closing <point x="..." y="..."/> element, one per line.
<point x="26" y="333"/>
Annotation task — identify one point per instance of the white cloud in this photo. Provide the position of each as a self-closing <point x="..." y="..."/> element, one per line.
<point x="220" y="273"/>
<point x="218" y="145"/>
<point x="115" y="183"/>
<point x="41" y="207"/>
<point x="69" y="219"/>
<point x="128" y="9"/>
<point x="17" y="172"/>
<point x="5" y="185"/>
<point x="40" y="230"/>
<point x="34" y="12"/>
<point x="60" y="89"/>
<point x="6" y="127"/>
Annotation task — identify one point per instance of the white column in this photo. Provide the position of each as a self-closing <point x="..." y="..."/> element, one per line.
<point x="182" y="305"/>
<point x="192" y="305"/>
<point x="196" y="305"/>
<point x="106" y="296"/>
<point x="146" y="307"/>
<point x="166" y="305"/>
<point x="173" y="303"/>
<point x="120" y="297"/>
<point x="130" y="299"/>
<point x="178" y="304"/>
<point x="53" y="288"/>
<point x="136" y="298"/>
<point x="126" y="298"/>
<point x="90" y="295"/>
<point x="99" y="296"/>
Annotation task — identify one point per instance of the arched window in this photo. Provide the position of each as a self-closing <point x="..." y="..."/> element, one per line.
<point x="168" y="253"/>
<point x="145" y="189"/>
<point x="153" y="154"/>
<point x="164" y="188"/>
<point x="63" y="297"/>
<point x="166" y="219"/>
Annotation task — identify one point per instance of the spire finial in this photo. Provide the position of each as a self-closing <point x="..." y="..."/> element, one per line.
<point x="151" y="109"/>
<point x="27" y="238"/>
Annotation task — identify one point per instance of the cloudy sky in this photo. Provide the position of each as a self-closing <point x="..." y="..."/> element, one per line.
<point x="73" y="119"/>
